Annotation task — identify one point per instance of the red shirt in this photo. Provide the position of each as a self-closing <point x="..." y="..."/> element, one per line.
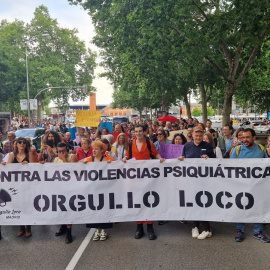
<point x="144" y="153"/>
<point x="81" y="154"/>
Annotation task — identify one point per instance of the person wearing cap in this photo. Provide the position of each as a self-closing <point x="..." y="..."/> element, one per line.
<point x="199" y="149"/>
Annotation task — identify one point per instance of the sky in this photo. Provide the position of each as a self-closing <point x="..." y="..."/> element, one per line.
<point x="68" y="17"/>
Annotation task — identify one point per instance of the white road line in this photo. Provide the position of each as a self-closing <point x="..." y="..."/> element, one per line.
<point x="80" y="250"/>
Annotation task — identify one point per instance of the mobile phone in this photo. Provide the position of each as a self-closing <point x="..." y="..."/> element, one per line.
<point x="50" y="143"/>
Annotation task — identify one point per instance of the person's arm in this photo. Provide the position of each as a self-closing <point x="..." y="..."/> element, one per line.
<point x="11" y="157"/>
<point x="158" y="156"/>
<point x="31" y="157"/>
<point x="73" y="159"/>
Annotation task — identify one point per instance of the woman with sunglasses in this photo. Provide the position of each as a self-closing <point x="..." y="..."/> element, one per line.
<point x="162" y="138"/>
<point x="22" y="154"/>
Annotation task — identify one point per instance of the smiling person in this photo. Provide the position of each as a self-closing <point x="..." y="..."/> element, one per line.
<point x="249" y="149"/>
<point x="141" y="148"/>
<point x="23" y="155"/>
<point x="121" y="146"/>
<point x="162" y="138"/>
<point x="199" y="149"/>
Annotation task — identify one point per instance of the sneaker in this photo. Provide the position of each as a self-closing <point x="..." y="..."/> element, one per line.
<point x="239" y="236"/>
<point x="96" y="236"/>
<point x="204" y="235"/>
<point x="103" y="235"/>
<point x="195" y="232"/>
<point x="261" y="237"/>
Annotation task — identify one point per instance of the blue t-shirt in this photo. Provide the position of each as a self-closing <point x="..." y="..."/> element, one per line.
<point x="193" y="151"/>
<point x="246" y="152"/>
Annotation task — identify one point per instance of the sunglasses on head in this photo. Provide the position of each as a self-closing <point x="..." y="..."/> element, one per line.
<point x="21" y="142"/>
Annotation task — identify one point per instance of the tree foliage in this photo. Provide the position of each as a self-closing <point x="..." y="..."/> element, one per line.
<point x="203" y="38"/>
<point x="56" y="57"/>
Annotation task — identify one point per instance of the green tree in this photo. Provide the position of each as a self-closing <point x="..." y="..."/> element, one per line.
<point x="228" y="34"/>
<point x="56" y="57"/>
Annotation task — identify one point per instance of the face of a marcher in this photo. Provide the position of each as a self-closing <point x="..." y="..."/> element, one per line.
<point x="85" y="145"/>
<point x="50" y="137"/>
<point x="117" y="128"/>
<point x="178" y="140"/>
<point x="197" y="137"/>
<point x="160" y="136"/>
<point x="208" y="124"/>
<point x="62" y="152"/>
<point x="121" y="140"/>
<point x="97" y="152"/>
<point x="68" y="137"/>
<point x="205" y="139"/>
<point x="139" y="132"/>
<point x="226" y="131"/>
<point x="240" y="136"/>
<point x="248" y="140"/>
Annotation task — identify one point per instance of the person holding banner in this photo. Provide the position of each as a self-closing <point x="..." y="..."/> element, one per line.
<point x="198" y="149"/>
<point x="179" y="139"/>
<point x="121" y="146"/>
<point x="99" y="156"/>
<point x="22" y="154"/>
<point x="142" y="148"/>
<point x="249" y="149"/>
<point x="65" y="157"/>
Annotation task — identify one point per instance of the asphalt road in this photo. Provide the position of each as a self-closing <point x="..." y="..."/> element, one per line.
<point x="173" y="249"/>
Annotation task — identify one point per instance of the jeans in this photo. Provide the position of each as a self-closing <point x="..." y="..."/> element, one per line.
<point x="257" y="227"/>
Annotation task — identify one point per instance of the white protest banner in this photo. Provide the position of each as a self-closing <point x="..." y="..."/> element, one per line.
<point x="194" y="189"/>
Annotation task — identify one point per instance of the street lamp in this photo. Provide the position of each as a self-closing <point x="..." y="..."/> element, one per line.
<point x="27" y="87"/>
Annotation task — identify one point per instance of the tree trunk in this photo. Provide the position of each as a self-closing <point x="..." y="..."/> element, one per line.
<point x="187" y="105"/>
<point x="204" y="103"/>
<point x="39" y="109"/>
<point x="227" y="105"/>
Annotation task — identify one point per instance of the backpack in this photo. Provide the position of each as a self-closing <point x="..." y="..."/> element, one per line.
<point x="148" y="146"/>
<point x="238" y="149"/>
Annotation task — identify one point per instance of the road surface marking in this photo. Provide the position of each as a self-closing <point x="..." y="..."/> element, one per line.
<point x="80" y="250"/>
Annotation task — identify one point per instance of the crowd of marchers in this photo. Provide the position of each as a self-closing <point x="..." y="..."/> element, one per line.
<point x="141" y="141"/>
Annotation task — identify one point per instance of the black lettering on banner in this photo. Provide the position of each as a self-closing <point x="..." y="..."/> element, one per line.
<point x="239" y="203"/>
<point x="198" y="199"/>
<point x="130" y="201"/>
<point x="5" y="176"/>
<point x="37" y="201"/>
<point x="192" y="172"/>
<point x="145" y="173"/>
<point x="95" y="177"/>
<point x="177" y="171"/>
<point x="155" y="172"/>
<point x="129" y="173"/>
<point x="200" y="173"/>
<point x="100" y="202"/>
<point x="26" y="176"/>
<point x="66" y="175"/>
<point x="266" y="172"/>
<point x="167" y="170"/>
<point x="60" y="203"/>
<point x="219" y="199"/>
<point x="229" y="169"/>
<point x="240" y="172"/>
<point x="182" y="200"/>
<point x="111" y="201"/>
<point x="253" y="172"/>
<point x="121" y="174"/>
<point x="219" y="172"/>
<point x="81" y="203"/>
<point x="79" y="177"/>
<point x="146" y="199"/>
<point x="35" y="176"/>
<point x="111" y="174"/>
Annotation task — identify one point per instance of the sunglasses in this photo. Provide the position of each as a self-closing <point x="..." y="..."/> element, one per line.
<point x="21" y="142"/>
<point x="62" y="151"/>
<point x="159" y="134"/>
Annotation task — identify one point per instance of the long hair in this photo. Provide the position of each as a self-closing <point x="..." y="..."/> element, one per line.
<point x="211" y="139"/>
<point x="27" y="148"/>
<point x="125" y="142"/>
<point x="56" y="136"/>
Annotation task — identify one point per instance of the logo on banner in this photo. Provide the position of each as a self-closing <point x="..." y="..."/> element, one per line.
<point x="4" y="197"/>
